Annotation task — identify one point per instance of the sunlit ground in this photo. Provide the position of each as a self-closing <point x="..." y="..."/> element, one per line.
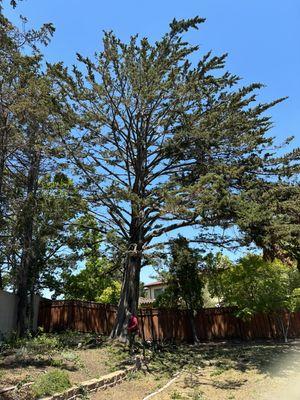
<point x="247" y="371"/>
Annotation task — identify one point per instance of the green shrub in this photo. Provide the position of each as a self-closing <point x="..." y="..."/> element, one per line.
<point x="71" y="339"/>
<point x="50" y="383"/>
<point x="43" y="343"/>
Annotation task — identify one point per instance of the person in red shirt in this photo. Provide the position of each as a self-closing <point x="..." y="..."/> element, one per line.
<point x="132" y="329"/>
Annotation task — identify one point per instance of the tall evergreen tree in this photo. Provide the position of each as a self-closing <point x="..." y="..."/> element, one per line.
<point x="162" y="143"/>
<point x="31" y="157"/>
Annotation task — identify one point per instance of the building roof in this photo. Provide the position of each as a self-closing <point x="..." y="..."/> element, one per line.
<point x="154" y="284"/>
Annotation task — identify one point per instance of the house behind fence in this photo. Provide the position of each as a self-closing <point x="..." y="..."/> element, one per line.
<point x="162" y="324"/>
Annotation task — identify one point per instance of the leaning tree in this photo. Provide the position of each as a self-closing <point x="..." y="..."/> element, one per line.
<point x="162" y="138"/>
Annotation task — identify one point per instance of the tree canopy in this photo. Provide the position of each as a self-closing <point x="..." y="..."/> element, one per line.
<point x="163" y="143"/>
<point x="254" y="285"/>
<point x="134" y="144"/>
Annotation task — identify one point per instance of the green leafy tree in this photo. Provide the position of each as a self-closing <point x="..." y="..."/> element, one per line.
<point x="89" y="283"/>
<point x="216" y="264"/>
<point x="185" y="281"/>
<point x="268" y="216"/>
<point x="163" y="143"/>
<point x="254" y="285"/>
<point x="111" y="294"/>
<point x="98" y="280"/>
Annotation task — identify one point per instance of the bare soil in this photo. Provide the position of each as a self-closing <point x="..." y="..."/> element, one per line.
<point x="211" y="371"/>
<point x="23" y="364"/>
<point x="80" y="364"/>
<point x="261" y="371"/>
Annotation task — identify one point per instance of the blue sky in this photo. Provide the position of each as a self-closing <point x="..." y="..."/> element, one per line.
<point x="262" y="38"/>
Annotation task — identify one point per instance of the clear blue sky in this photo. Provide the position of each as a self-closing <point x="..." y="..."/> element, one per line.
<point x="262" y="38"/>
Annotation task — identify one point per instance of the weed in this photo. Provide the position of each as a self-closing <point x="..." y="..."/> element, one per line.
<point x="221" y="367"/>
<point x="83" y="393"/>
<point x="71" y="357"/>
<point x="43" y="343"/>
<point x="218" y="371"/>
<point x="197" y="396"/>
<point x="176" y="395"/>
<point x="134" y="375"/>
<point x="50" y="383"/>
<point x="56" y="363"/>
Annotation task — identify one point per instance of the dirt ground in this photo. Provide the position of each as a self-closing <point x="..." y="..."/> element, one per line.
<point x="80" y="364"/>
<point x="257" y="372"/>
<point x="26" y="361"/>
<point x="211" y="371"/>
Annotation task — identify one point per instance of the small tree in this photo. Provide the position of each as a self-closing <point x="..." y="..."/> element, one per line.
<point x="255" y="285"/>
<point x="185" y="282"/>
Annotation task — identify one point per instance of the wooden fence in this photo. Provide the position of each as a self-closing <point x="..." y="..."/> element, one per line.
<point x="162" y="324"/>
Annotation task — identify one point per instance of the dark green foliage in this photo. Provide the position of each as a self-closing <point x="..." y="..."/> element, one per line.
<point x="163" y="143"/>
<point x="157" y="143"/>
<point x="89" y="283"/>
<point x="34" y="202"/>
<point x="268" y="215"/>
<point x="184" y="278"/>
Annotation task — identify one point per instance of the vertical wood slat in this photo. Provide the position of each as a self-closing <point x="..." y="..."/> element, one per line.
<point x="160" y="324"/>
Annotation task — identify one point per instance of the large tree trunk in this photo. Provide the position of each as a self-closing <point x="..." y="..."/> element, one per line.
<point x="129" y="295"/>
<point x="23" y="279"/>
<point x="22" y="293"/>
<point x="3" y="150"/>
<point x="27" y="221"/>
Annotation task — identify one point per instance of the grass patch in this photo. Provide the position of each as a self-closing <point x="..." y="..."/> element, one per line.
<point x="51" y="342"/>
<point x="50" y="383"/>
<point x="221" y="367"/>
<point x="176" y="395"/>
<point x="197" y="395"/>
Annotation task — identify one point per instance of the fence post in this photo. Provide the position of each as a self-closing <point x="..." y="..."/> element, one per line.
<point x="106" y="319"/>
<point x="142" y="323"/>
<point x="152" y="327"/>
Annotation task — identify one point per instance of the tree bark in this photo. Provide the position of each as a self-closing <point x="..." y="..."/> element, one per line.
<point x="129" y="296"/>
<point x="22" y="293"/>
<point x="23" y="277"/>
<point x="25" y="267"/>
<point x="3" y="150"/>
<point x="1" y="280"/>
<point x="283" y="327"/>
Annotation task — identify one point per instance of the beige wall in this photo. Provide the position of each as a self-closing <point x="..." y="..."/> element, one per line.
<point x="151" y="291"/>
<point x="8" y="312"/>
